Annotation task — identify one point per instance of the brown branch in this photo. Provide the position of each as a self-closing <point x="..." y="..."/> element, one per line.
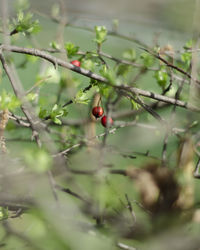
<point x="19" y="92"/>
<point x="57" y="61"/>
<point x="110" y="33"/>
<point x="117" y="60"/>
<point x="69" y="191"/>
<point x="197" y="172"/>
<point x="113" y="130"/>
<point x="130" y="208"/>
<point x="171" y="65"/>
<point x="159" y="97"/>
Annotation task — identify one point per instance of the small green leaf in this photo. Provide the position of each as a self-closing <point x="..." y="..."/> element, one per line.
<point x="161" y="77"/>
<point x="3" y="213"/>
<point x="88" y="64"/>
<point x="123" y="69"/>
<point x="43" y="113"/>
<point x="135" y="105"/>
<point x="156" y="49"/>
<point x="38" y="160"/>
<point x="54" y="113"/>
<point x="51" y="75"/>
<point x="71" y="49"/>
<point x="186" y="57"/>
<point x="109" y="74"/>
<point x="148" y="60"/>
<point x="129" y="54"/>
<point x="104" y="89"/>
<point x="57" y="121"/>
<point x="31" y="96"/>
<point x="101" y="33"/>
<point x="81" y="97"/>
<point x="31" y="59"/>
<point x="54" y="45"/>
<point x="9" y="101"/>
<point x="25" y="24"/>
<point x="55" y="107"/>
<point x="57" y="111"/>
<point x="188" y="44"/>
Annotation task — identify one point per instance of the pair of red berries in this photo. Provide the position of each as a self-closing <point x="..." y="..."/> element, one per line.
<point x="76" y="63"/>
<point x="98" y="112"/>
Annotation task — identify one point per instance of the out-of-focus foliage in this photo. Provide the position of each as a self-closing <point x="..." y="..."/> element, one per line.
<point x="66" y="182"/>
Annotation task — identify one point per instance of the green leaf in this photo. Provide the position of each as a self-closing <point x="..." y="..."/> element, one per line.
<point x="3" y="213"/>
<point x="31" y="96"/>
<point x="71" y="49"/>
<point x="148" y="60"/>
<point x="54" y="45"/>
<point x="81" y="97"/>
<point x="25" y="24"/>
<point x="101" y="33"/>
<point x="162" y="77"/>
<point x="123" y="69"/>
<point x="51" y="75"/>
<point x="88" y="64"/>
<point x="129" y="54"/>
<point x="186" y="57"/>
<point x="31" y="59"/>
<point x="109" y="74"/>
<point x="43" y="113"/>
<point x="56" y="112"/>
<point x="38" y="160"/>
<point x="55" y="107"/>
<point x="57" y="121"/>
<point x="156" y="49"/>
<point x="188" y="44"/>
<point x="104" y="89"/>
<point x="9" y="101"/>
<point x="135" y="105"/>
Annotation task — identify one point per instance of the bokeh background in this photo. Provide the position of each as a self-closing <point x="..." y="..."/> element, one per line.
<point x="161" y="22"/>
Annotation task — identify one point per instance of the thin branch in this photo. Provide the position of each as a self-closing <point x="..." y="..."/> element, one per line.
<point x="125" y="247"/>
<point x="110" y="33"/>
<point x="172" y="65"/>
<point x="113" y="130"/>
<point x="93" y="172"/>
<point x="159" y="97"/>
<point x="19" y="92"/>
<point x="68" y="191"/>
<point x="117" y="60"/>
<point x="84" y="90"/>
<point x="57" y="61"/>
<point x="197" y="170"/>
<point x="130" y="208"/>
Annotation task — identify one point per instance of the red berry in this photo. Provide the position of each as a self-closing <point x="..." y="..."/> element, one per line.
<point x="97" y="111"/>
<point x="104" y="121"/>
<point x="76" y="63"/>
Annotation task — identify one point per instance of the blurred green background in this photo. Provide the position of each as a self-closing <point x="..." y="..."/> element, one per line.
<point x="50" y="227"/>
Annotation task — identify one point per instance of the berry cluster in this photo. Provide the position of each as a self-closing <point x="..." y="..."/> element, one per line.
<point x="98" y="112"/>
